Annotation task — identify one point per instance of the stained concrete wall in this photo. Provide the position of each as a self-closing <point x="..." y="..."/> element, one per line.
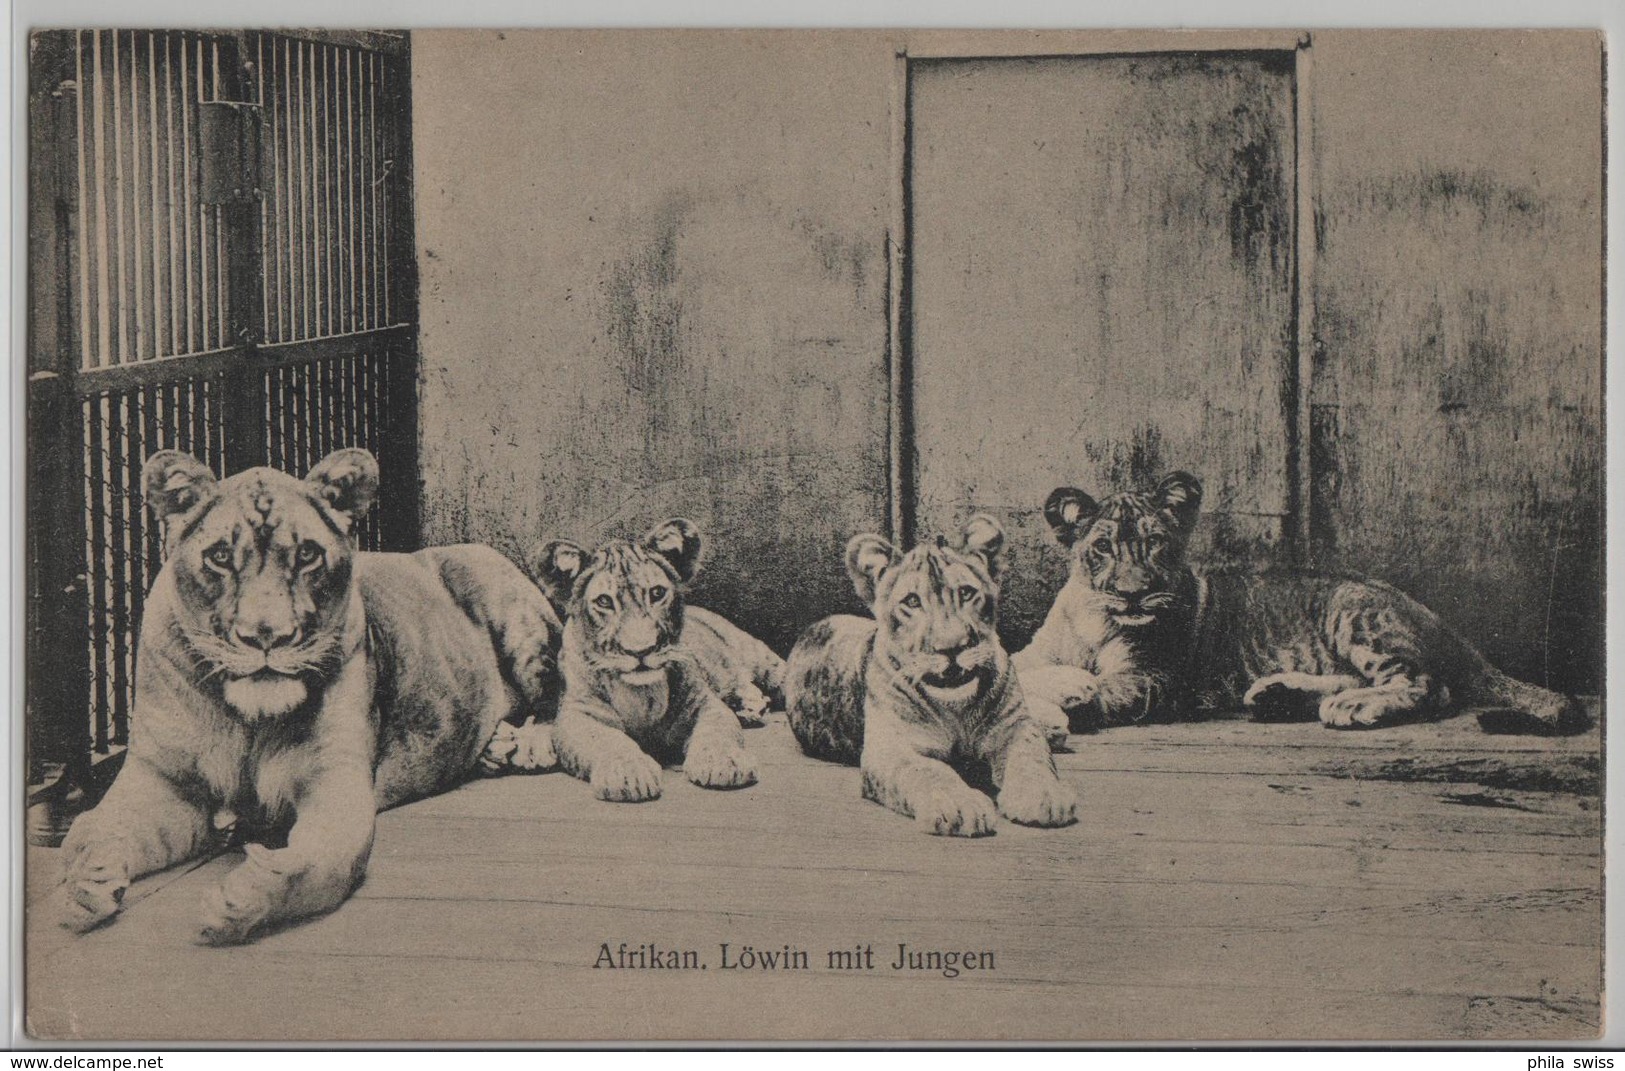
<point x="1458" y="290"/>
<point x="654" y="282"/>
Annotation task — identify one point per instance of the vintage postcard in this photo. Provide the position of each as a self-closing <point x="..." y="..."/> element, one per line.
<point x="844" y="536"/>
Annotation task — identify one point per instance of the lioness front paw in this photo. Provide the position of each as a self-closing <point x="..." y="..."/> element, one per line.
<point x="717" y="765"/>
<point x="626" y="779"/>
<point x="94" y="881"/>
<point x="86" y="900"/>
<point x="961" y="812"/>
<point x="247" y="899"/>
<point x="1040" y="800"/>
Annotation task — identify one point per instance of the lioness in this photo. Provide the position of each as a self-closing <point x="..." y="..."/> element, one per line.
<point x="303" y="686"/>
<point x="926" y="684"/>
<point x="1136" y="633"/>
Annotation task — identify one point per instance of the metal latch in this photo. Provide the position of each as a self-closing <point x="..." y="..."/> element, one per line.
<point x="228" y="151"/>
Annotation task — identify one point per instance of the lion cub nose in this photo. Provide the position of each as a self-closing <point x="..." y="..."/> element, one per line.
<point x="266" y="636"/>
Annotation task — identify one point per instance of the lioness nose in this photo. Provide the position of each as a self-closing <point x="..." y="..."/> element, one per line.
<point x="265" y="635"/>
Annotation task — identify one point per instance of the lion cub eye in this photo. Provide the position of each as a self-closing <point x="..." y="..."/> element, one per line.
<point x="1103" y="545"/>
<point x="968" y="593"/>
<point x="604" y="602"/>
<point x="308" y="554"/>
<point x="657" y="594"/>
<point x="220" y="558"/>
<point x="912" y="601"/>
<point x="1155" y="541"/>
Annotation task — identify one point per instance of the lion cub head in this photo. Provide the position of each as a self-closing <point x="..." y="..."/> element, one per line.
<point x="625" y="597"/>
<point x="936" y="607"/>
<point x="261" y="564"/>
<point x="1131" y="547"/>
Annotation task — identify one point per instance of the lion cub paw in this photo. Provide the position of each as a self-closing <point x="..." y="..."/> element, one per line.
<point x="749" y="704"/>
<point x="1073" y="686"/>
<point x="1267" y="690"/>
<point x="1052" y="720"/>
<point x="533" y="747"/>
<point x="1362" y="708"/>
<point x="626" y="779"/>
<point x="959" y="812"/>
<point x="1045" y="801"/>
<point x="718" y="765"/>
<point x="499" y="750"/>
<point x="1273" y="698"/>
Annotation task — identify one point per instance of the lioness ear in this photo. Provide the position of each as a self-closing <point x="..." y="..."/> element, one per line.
<point x="984" y="536"/>
<point x="1068" y="510"/>
<point x="555" y="566"/>
<point x="678" y="541"/>
<point x="867" y="557"/>
<point x="173" y="482"/>
<point x="348" y="480"/>
<point x="1180" y="493"/>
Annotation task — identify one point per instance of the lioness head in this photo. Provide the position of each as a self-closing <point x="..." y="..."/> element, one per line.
<point x="936" y="606"/>
<point x="625" y="597"/>
<point x="1131" y="547"/>
<point x="261" y="563"/>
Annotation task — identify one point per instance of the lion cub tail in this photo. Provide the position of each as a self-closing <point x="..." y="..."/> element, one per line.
<point x="1515" y="706"/>
<point x="1511" y="705"/>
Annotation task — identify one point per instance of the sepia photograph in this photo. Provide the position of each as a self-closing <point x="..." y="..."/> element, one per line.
<point x="668" y="536"/>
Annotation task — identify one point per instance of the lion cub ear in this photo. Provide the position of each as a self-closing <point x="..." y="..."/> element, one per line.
<point x="867" y="558"/>
<point x="173" y="482"/>
<point x="555" y="566"/>
<point x="1068" y="511"/>
<point x="1180" y="493"/>
<point x="678" y="541"/>
<point x="348" y="480"/>
<point x="984" y="537"/>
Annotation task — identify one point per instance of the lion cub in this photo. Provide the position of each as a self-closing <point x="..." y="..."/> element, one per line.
<point x="1139" y="634"/>
<point x="637" y="688"/>
<point x="926" y="684"/>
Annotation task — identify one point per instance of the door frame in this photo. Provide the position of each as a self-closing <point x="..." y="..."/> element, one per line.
<point x="902" y="462"/>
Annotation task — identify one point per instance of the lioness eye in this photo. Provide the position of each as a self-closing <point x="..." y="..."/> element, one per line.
<point x="604" y="602"/>
<point x="967" y="593"/>
<point x="1103" y="546"/>
<point x="220" y="557"/>
<point x="912" y="601"/>
<point x="309" y="554"/>
<point x="657" y="593"/>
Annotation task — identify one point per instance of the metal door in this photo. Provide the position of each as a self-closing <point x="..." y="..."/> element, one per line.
<point x="1100" y="289"/>
<point x="220" y="262"/>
